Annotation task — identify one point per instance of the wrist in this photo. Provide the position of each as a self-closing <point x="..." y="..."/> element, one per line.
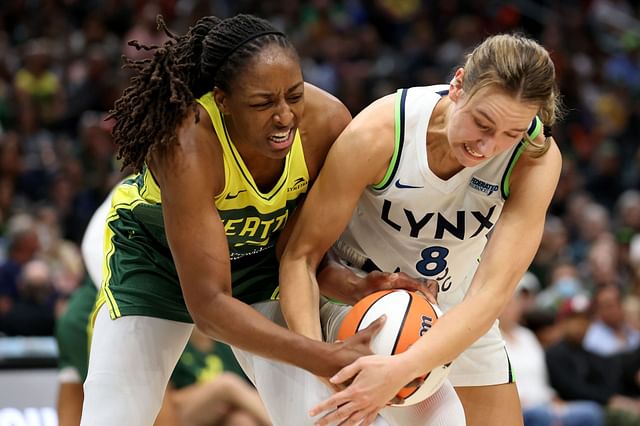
<point x="411" y="366"/>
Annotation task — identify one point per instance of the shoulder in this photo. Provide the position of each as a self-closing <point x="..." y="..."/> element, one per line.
<point x="197" y="153"/>
<point x="540" y="171"/>
<point x="378" y="116"/>
<point x="324" y="118"/>
<point x="323" y="110"/>
<point x="373" y="129"/>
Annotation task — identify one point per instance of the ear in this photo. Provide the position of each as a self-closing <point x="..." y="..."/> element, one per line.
<point x="220" y="97"/>
<point x="455" y="86"/>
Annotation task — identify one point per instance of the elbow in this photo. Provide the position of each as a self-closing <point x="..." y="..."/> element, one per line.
<point x="205" y="317"/>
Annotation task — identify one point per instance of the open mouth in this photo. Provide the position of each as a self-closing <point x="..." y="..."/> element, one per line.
<point x="471" y="152"/>
<point x="282" y="140"/>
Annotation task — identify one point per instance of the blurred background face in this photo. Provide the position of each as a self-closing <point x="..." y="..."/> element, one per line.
<point x="609" y="307"/>
<point x="575" y="328"/>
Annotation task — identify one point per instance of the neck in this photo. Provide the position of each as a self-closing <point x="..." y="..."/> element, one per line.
<point x="265" y="171"/>
<point x="442" y="162"/>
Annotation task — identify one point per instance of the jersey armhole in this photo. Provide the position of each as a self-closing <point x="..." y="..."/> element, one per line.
<point x="534" y="130"/>
<point x="398" y="142"/>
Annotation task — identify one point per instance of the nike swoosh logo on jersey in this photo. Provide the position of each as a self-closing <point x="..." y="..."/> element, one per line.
<point x="232" y="196"/>
<point x="403" y="186"/>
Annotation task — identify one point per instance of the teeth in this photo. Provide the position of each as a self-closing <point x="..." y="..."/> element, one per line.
<point x="472" y="152"/>
<point x="279" y="137"/>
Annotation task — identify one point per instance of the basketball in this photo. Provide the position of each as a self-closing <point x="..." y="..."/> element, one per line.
<point x="409" y="316"/>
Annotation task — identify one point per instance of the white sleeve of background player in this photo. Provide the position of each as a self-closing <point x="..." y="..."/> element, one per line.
<point x="93" y="242"/>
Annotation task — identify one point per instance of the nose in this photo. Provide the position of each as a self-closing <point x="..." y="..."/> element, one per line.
<point x="283" y="114"/>
<point x="486" y="145"/>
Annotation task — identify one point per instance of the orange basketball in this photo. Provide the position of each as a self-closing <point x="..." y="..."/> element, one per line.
<point x="409" y="316"/>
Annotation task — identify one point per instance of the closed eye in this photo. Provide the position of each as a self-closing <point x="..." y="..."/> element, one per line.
<point x="261" y="105"/>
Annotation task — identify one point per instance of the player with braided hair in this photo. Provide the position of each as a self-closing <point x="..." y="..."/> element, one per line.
<point x="225" y="138"/>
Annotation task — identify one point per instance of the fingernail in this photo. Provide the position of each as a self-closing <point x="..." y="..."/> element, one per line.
<point x="393" y="276"/>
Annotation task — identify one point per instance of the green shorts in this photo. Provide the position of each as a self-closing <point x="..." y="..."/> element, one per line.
<point x="72" y="329"/>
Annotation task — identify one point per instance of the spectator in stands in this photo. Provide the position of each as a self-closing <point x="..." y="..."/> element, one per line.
<point x="32" y="312"/>
<point x="37" y="85"/>
<point x="610" y="333"/>
<point x="22" y="246"/>
<point x="540" y="405"/>
<point x="577" y="374"/>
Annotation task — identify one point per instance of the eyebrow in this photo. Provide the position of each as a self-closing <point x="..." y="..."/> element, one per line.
<point x="486" y="116"/>
<point x="267" y="94"/>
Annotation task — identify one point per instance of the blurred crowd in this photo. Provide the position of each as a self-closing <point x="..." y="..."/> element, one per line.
<point x="61" y="70"/>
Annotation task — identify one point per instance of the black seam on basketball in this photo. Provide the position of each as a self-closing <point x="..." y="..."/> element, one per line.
<point x="404" y="319"/>
<point x="411" y="296"/>
<point x="364" y="314"/>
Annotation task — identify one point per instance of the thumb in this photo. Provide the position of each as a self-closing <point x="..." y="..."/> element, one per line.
<point x="375" y="327"/>
<point x="345" y="374"/>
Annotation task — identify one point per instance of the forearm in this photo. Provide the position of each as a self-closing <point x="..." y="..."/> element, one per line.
<point x="454" y="332"/>
<point x="339" y="283"/>
<point x="238" y="324"/>
<point x="300" y="298"/>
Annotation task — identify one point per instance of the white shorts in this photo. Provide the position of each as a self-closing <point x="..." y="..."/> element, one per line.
<point x="484" y="363"/>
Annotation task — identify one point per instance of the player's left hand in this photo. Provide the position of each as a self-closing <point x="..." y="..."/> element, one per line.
<point x="377" y="280"/>
<point x="375" y="380"/>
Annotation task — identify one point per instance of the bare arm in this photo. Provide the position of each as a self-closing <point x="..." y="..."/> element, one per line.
<point x="199" y="247"/>
<point x="340" y="283"/>
<point x="358" y="158"/>
<point x="517" y="235"/>
<point x="376" y="379"/>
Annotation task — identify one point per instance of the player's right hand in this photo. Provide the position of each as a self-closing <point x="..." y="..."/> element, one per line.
<point x="347" y="351"/>
<point x="377" y="280"/>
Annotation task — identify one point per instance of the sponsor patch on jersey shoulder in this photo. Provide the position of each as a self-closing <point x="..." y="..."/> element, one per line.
<point x="482" y="186"/>
<point x="298" y="184"/>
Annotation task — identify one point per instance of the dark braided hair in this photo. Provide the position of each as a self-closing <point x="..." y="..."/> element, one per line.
<point x="165" y="89"/>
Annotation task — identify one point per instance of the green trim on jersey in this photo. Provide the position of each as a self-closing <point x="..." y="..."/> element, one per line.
<point x="532" y="133"/>
<point x="401" y="96"/>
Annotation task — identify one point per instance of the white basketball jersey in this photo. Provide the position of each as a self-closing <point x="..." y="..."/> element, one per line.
<point x="422" y="225"/>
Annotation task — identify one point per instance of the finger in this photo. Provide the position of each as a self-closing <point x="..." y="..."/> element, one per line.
<point x="329" y="404"/>
<point x="369" y="419"/>
<point x="429" y="296"/>
<point x="356" y="418"/>
<point x="373" y="328"/>
<point x="346" y="374"/>
<point x="433" y="287"/>
<point x="337" y="416"/>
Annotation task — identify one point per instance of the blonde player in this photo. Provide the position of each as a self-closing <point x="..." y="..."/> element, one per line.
<point x="416" y="183"/>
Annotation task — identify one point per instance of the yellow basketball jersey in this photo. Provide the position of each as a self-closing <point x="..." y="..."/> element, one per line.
<point x="250" y="216"/>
